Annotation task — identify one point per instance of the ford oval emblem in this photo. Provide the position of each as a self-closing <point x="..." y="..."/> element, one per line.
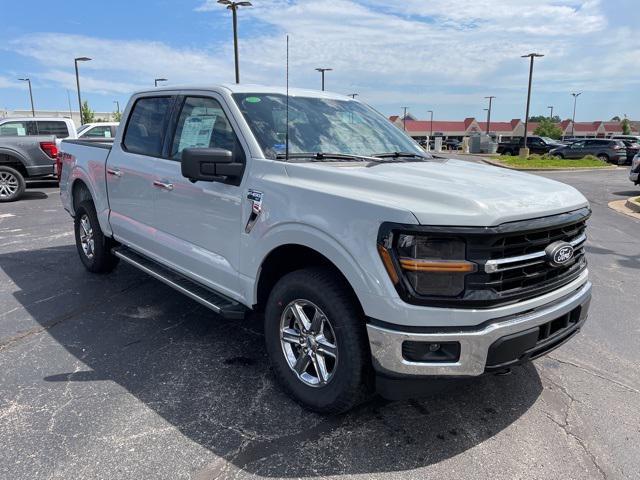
<point x="559" y="253"/>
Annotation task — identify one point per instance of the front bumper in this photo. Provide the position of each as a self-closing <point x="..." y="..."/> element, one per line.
<point x="499" y="339"/>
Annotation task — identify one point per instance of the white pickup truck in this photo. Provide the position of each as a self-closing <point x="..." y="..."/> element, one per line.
<point x="376" y="265"/>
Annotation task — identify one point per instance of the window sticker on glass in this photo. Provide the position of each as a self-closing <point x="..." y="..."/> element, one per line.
<point x="196" y="132"/>
<point x="252" y="100"/>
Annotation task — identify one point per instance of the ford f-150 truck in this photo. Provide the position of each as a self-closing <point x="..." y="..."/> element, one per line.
<point x="376" y="265"/>
<point x="24" y="158"/>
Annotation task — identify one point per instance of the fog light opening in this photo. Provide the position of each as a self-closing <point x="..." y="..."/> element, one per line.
<point x="431" y="352"/>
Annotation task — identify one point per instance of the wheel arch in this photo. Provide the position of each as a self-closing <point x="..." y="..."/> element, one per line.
<point x="288" y="258"/>
<point x="13" y="159"/>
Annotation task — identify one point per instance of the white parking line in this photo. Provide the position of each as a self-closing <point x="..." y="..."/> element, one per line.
<point x="6" y="215"/>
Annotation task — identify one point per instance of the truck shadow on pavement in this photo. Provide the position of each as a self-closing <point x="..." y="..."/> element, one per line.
<point x="209" y="378"/>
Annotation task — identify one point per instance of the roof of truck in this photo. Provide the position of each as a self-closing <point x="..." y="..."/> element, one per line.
<point x="252" y="88"/>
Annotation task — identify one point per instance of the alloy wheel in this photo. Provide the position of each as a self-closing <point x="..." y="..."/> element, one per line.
<point x="8" y="184"/>
<point x="86" y="236"/>
<point x="309" y="343"/>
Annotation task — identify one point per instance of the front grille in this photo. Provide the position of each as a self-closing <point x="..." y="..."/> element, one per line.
<point x="522" y="269"/>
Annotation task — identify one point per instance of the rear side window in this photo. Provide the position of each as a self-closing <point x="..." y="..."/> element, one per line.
<point x="17" y="129"/>
<point x="46" y="127"/>
<point x="145" y="130"/>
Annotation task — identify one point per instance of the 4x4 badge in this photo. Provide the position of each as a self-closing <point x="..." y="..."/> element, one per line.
<point x="255" y="197"/>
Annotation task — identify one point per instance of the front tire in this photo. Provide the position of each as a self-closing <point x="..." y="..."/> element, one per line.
<point x="12" y="184"/>
<point x="316" y="340"/>
<point x="603" y="157"/>
<point x="93" y="247"/>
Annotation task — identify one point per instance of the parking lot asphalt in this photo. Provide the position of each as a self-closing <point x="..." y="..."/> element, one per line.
<point x="119" y="376"/>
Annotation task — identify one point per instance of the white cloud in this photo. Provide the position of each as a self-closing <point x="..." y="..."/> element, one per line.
<point x="387" y="50"/>
<point x="9" y="83"/>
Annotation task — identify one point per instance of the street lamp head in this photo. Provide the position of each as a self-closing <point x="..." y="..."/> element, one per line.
<point x="234" y="5"/>
<point x="82" y="59"/>
<point x="24" y="79"/>
<point x="532" y="55"/>
<point x="161" y="80"/>
<point x="324" y="69"/>
<point x="576" y="94"/>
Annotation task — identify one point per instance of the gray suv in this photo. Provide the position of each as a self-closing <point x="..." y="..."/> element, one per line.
<point x="613" y="151"/>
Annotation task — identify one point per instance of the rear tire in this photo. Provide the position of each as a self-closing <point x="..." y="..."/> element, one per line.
<point x="12" y="184"/>
<point x="93" y="247"/>
<point x="507" y="152"/>
<point x="332" y="383"/>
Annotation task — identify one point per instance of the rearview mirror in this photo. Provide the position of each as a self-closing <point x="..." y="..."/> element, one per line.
<point x="209" y="165"/>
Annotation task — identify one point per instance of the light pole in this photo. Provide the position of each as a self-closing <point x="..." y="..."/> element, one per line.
<point x="233" y="6"/>
<point x="526" y="118"/>
<point x="550" y="107"/>
<point x="431" y="126"/>
<point x="404" y="119"/>
<point x="117" y="107"/>
<point x="76" y="60"/>
<point x="28" y="80"/>
<point x="155" y="81"/>
<point x="573" y="120"/>
<point x="322" y="70"/>
<point x="353" y="95"/>
<point x="490" y="97"/>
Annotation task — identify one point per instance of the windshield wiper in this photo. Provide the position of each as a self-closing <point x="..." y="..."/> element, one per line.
<point x="399" y="155"/>
<point x="323" y="156"/>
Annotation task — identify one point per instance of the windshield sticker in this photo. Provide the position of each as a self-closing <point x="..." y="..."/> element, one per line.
<point x="253" y="99"/>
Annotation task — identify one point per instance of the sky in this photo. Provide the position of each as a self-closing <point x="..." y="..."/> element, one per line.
<point x="439" y="55"/>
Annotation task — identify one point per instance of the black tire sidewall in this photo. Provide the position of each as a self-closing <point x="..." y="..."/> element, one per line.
<point x="350" y="379"/>
<point x="103" y="260"/>
<point x="22" y="185"/>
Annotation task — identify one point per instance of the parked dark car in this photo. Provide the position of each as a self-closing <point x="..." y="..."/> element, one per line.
<point x="613" y="151"/>
<point x="539" y="145"/>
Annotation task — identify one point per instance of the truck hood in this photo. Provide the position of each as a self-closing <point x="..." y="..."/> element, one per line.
<point x="443" y="192"/>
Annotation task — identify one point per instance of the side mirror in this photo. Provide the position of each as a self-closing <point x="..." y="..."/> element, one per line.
<point x="209" y="165"/>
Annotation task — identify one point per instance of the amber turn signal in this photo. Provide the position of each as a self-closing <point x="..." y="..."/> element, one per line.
<point x="444" y="266"/>
<point x="388" y="264"/>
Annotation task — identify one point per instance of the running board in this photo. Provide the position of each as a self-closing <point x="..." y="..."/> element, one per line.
<point x="219" y="303"/>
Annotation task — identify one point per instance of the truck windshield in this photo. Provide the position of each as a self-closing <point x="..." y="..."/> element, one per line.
<point x="321" y="125"/>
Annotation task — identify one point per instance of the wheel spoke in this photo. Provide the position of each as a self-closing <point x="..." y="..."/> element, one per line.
<point x="326" y="348"/>
<point x="321" y="368"/>
<point x="301" y="317"/>
<point x="290" y="335"/>
<point x="317" y="323"/>
<point x="302" y="363"/>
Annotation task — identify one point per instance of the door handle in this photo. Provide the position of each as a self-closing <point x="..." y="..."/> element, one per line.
<point x="163" y="185"/>
<point x="114" y="171"/>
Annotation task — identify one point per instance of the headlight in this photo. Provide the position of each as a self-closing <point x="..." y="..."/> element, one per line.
<point x="431" y="265"/>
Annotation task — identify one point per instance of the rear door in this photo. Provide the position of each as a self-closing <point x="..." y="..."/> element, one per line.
<point x="198" y="224"/>
<point x="58" y="128"/>
<point x="575" y="150"/>
<point x="130" y="172"/>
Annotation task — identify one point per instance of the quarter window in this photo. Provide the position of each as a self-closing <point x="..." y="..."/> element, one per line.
<point x="203" y="124"/>
<point x="15" y="129"/>
<point x="145" y="130"/>
<point x="98" y="132"/>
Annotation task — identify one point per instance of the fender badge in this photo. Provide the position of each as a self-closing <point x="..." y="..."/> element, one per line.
<point x="255" y="197"/>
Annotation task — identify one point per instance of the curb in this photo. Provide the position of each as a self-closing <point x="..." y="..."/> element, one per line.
<point x="620" y="206"/>
<point x="583" y="169"/>
<point x="631" y="204"/>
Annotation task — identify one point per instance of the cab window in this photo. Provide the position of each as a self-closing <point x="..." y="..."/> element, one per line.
<point x="16" y="129"/>
<point x="203" y="124"/>
<point x="146" y="126"/>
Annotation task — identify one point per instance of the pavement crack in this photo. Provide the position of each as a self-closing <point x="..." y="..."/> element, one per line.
<point x="596" y="374"/>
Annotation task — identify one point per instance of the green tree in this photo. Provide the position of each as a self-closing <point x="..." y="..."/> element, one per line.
<point x="117" y="116"/>
<point x="615" y="119"/>
<point x="88" y="115"/>
<point x="539" y="118"/>
<point x="626" y="127"/>
<point x="547" y="128"/>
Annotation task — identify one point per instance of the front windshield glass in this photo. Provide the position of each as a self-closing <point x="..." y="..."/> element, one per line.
<point x="549" y="140"/>
<point x="321" y="125"/>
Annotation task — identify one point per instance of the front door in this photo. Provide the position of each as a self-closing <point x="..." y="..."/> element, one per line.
<point x="199" y="224"/>
<point x="575" y="150"/>
<point x="131" y="173"/>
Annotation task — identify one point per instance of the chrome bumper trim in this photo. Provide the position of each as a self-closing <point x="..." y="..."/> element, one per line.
<point x="386" y="345"/>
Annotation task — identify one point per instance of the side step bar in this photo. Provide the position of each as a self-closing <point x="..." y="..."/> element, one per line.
<point x="219" y="303"/>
